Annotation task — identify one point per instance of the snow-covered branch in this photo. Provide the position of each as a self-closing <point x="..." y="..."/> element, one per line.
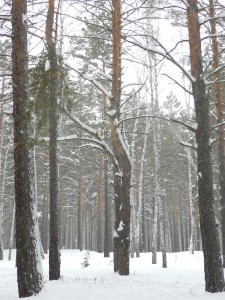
<point x="5" y="18"/>
<point x="98" y="85"/>
<point x="106" y="92"/>
<point x="185" y="144"/>
<point x="97" y="138"/>
<point x="180" y="85"/>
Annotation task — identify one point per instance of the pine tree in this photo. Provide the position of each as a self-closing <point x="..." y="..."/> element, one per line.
<point x="28" y="261"/>
<point x="214" y="277"/>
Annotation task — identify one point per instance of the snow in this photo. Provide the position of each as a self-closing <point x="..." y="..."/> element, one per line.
<point x="24" y="18"/>
<point x="119" y="174"/>
<point x="98" y="85"/>
<point x="183" y="279"/>
<point x="47" y="65"/>
<point x="111" y="113"/>
<point x="221" y="15"/>
<point x="120" y="228"/>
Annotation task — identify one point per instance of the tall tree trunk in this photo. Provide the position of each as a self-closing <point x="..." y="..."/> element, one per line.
<point x="2" y="197"/>
<point x="214" y="277"/>
<point x="80" y="208"/>
<point x="45" y="207"/>
<point x="140" y="208"/>
<point x="176" y="245"/>
<point x="99" y="210"/>
<point x="190" y="196"/>
<point x="107" y="233"/>
<point x="122" y="166"/>
<point x="132" y="193"/>
<point x="219" y="114"/>
<point x="54" y="252"/>
<point x="107" y="229"/>
<point x="28" y="260"/>
<point x="2" y="128"/>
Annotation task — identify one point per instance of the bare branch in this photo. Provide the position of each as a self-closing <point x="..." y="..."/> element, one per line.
<point x="159" y="117"/>
<point x="180" y="85"/>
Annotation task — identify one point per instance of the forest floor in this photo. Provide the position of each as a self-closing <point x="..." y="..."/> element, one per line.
<point x="182" y="280"/>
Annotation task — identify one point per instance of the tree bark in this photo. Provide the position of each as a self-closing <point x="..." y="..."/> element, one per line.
<point x="219" y="114"/>
<point x="122" y="169"/>
<point x="99" y="210"/>
<point x="214" y="278"/>
<point x="54" y="252"/>
<point x="45" y="207"/>
<point x="107" y="233"/>
<point x="28" y="260"/>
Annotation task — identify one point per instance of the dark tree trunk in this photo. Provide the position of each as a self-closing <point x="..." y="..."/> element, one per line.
<point x="28" y="259"/>
<point x="214" y="278"/>
<point x="54" y="252"/>
<point x="219" y="114"/>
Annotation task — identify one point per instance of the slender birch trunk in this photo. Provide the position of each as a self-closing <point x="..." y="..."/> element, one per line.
<point x="80" y="208"/>
<point x="190" y="196"/>
<point x="132" y="192"/>
<point x="12" y="232"/>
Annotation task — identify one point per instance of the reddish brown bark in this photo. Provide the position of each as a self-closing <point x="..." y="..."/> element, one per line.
<point x="219" y="114"/>
<point x="123" y="167"/>
<point x="54" y="252"/>
<point x="214" y="278"/>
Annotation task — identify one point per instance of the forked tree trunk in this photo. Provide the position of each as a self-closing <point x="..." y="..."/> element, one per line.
<point x="28" y="260"/>
<point x="219" y="114"/>
<point x="214" y="277"/>
<point x="122" y="166"/>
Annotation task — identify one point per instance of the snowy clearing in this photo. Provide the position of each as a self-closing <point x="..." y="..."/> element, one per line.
<point x="182" y="280"/>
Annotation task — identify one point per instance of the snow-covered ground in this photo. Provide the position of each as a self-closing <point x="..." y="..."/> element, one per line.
<point x="182" y="280"/>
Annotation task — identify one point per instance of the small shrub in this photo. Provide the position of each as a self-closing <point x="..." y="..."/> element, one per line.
<point x="86" y="262"/>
